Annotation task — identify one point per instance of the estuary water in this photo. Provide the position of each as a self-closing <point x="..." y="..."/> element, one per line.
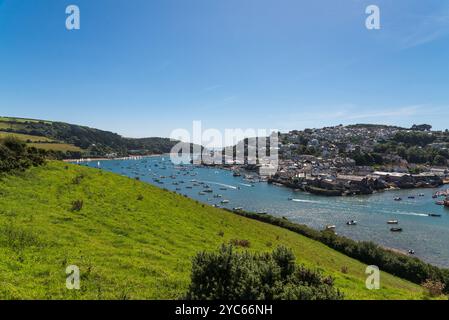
<point x="427" y="236"/>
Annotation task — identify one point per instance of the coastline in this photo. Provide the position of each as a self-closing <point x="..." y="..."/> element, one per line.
<point x="80" y="160"/>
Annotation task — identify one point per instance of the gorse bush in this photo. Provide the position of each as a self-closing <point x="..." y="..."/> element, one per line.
<point x="435" y="288"/>
<point x="231" y="275"/>
<point x="16" y="156"/>
<point x="240" y="243"/>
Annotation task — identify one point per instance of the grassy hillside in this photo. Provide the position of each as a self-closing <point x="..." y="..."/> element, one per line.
<point x="77" y="141"/>
<point x="26" y="137"/>
<point x="41" y="142"/>
<point x="133" y="240"/>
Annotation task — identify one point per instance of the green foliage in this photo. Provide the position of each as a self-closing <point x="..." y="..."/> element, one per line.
<point x="439" y="160"/>
<point x="16" y="156"/>
<point x="231" y="275"/>
<point x="77" y="205"/>
<point x="413" y="138"/>
<point x="367" y="159"/>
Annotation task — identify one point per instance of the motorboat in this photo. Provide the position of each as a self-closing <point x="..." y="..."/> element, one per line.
<point x="392" y="221"/>
<point x="434" y="215"/>
<point x="396" y="229"/>
<point x="351" y="222"/>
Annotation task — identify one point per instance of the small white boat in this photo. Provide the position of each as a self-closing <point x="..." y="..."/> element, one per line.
<point x="392" y="221"/>
<point x="224" y="201"/>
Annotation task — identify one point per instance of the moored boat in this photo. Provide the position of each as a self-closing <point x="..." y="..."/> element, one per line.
<point x="392" y="221"/>
<point x="396" y="229"/>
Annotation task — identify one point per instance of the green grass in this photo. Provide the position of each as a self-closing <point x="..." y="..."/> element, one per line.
<point x="136" y="249"/>
<point x="40" y="142"/>
<point x="55" y="146"/>
<point x="21" y="120"/>
<point x="24" y="137"/>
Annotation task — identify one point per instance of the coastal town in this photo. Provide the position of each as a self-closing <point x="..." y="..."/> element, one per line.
<point x="358" y="159"/>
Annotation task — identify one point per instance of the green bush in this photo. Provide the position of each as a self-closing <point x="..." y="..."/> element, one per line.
<point x="77" y="205"/>
<point x="15" y="156"/>
<point x="231" y="275"/>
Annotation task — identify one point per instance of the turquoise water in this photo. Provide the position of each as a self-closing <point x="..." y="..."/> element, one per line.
<point x="428" y="236"/>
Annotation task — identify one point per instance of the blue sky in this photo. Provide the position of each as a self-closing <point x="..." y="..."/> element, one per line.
<point x="144" y="68"/>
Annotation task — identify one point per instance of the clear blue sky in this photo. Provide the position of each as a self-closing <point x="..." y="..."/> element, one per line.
<point x="146" y="67"/>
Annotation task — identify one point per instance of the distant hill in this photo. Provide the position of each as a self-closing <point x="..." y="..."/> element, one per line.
<point x="70" y="140"/>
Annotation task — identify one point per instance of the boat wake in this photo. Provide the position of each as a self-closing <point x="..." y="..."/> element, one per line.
<point x="245" y="184"/>
<point x="412" y="214"/>
<point x="306" y="201"/>
<point x="221" y="184"/>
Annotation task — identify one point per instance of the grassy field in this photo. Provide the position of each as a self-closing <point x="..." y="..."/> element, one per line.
<point x="21" y="120"/>
<point x="134" y="241"/>
<point x="55" y="146"/>
<point x="24" y="137"/>
<point x="41" y="142"/>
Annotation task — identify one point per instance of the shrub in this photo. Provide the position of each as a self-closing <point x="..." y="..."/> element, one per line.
<point x="77" y="205"/>
<point x="230" y="275"/>
<point x="140" y="197"/>
<point x="240" y="243"/>
<point x="435" y="288"/>
<point x="78" y="179"/>
<point x="16" y="156"/>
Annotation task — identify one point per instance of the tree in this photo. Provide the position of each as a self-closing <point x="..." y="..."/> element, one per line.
<point x="231" y="275"/>
<point x="439" y="160"/>
<point x="422" y="127"/>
